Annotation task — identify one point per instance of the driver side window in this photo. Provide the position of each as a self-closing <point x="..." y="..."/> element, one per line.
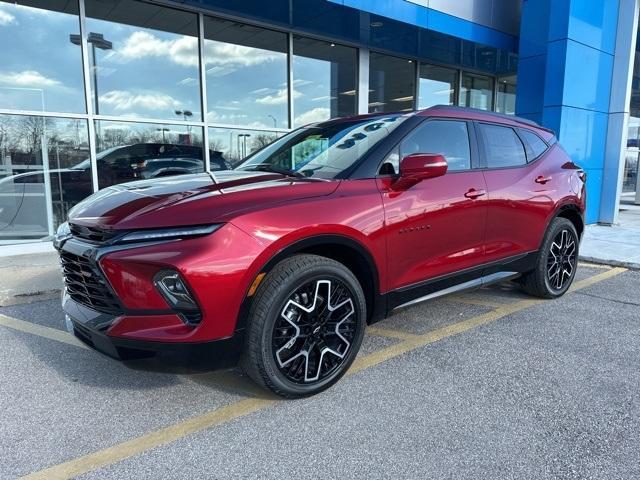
<point x="449" y="138"/>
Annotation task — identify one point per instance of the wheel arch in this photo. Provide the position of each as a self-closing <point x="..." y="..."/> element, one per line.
<point x="572" y="213"/>
<point x="351" y="253"/>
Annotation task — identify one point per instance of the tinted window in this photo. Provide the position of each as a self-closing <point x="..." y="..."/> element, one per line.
<point x="444" y="137"/>
<point x="502" y="147"/>
<point x="533" y="144"/>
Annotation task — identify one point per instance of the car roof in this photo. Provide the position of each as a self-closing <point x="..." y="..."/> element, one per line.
<point x="480" y="115"/>
<point x="447" y="111"/>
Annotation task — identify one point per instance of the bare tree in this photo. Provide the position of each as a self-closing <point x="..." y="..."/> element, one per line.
<point x="262" y="140"/>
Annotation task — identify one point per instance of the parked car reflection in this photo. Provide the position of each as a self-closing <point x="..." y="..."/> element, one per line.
<point x="25" y="193"/>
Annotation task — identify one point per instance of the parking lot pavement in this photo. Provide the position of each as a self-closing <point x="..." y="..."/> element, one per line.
<point x="490" y="383"/>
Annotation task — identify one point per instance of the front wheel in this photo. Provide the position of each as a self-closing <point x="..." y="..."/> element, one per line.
<point x="306" y="324"/>
<point x="557" y="261"/>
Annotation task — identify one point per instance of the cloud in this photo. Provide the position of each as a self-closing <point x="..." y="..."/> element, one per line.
<point x="277" y="98"/>
<point x="298" y="82"/>
<point x="27" y="78"/>
<point x="220" y="71"/>
<point x="188" y="81"/>
<point x="6" y="18"/>
<point x="318" y="114"/>
<point x="124" y="100"/>
<point x="184" y="51"/>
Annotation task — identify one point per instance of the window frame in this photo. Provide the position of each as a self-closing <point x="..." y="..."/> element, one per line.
<point x="483" y="148"/>
<point x="524" y="142"/>
<point x="474" y="153"/>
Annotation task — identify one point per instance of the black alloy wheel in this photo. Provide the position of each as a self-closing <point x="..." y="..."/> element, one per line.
<point x="305" y="326"/>
<point x="315" y="330"/>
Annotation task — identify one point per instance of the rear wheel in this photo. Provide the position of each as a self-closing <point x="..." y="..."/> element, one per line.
<point x="306" y="325"/>
<point x="557" y="261"/>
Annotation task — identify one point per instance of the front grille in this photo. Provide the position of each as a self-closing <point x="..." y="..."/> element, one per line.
<point x="92" y="234"/>
<point x="86" y="284"/>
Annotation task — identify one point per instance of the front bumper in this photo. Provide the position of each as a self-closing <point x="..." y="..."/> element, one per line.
<point x="90" y="327"/>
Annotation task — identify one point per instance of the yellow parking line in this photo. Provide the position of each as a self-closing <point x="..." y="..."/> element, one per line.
<point x="41" y="331"/>
<point x="612" y="272"/>
<point x="151" y="440"/>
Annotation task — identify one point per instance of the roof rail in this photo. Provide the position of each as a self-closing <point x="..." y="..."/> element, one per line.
<point x="504" y="116"/>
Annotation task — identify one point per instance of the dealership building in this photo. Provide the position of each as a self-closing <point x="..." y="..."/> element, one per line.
<point x="98" y="92"/>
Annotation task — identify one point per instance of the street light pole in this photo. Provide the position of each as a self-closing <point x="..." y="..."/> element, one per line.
<point x="96" y="40"/>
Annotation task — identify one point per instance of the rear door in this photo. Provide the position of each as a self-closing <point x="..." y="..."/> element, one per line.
<point x="519" y="197"/>
<point x="436" y="227"/>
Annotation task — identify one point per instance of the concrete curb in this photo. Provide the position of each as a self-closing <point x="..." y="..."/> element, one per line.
<point x="613" y="263"/>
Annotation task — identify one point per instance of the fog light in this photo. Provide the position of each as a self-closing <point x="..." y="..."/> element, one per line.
<point x="175" y="292"/>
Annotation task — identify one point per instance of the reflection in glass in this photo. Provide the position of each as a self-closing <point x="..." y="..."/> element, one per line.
<point x="143" y="59"/>
<point x="506" y="98"/>
<point x="140" y="151"/>
<point x="392" y="83"/>
<point x="323" y="151"/>
<point x="40" y="69"/>
<point x="476" y="91"/>
<point x="233" y="144"/>
<point x="630" y="176"/>
<point x="246" y="71"/>
<point x="324" y="80"/>
<point x="437" y="86"/>
<point x="44" y="171"/>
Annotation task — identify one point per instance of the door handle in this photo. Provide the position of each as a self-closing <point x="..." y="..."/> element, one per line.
<point x="542" y="179"/>
<point x="473" y="193"/>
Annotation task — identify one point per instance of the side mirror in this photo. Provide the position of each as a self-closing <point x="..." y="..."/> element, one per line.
<point x="419" y="166"/>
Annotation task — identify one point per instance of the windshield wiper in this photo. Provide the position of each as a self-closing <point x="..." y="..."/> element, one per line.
<point x="265" y="167"/>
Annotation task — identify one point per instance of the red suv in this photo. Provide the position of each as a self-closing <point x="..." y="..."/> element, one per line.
<point x="282" y="262"/>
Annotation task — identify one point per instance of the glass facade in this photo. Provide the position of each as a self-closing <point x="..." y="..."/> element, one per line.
<point x="392" y="83"/>
<point x="506" y="95"/>
<point x="246" y="72"/>
<point x="324" y="80"/>
<point x="437" y="86"/>
<point x="44" y="74"/>
<point x="630" y="178"/>
<point x="45" y="170"/>
<point x="135" y="89"/>
<point x="476" y="91"/>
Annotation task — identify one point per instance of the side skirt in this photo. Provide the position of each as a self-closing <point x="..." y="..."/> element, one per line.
<point x="469" y="279"/>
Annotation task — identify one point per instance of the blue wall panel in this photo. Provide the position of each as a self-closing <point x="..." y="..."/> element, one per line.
<point x="565" y="79"/>
<point x="424" y="17"/>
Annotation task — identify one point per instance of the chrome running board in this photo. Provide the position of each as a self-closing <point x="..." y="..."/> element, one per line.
<point x="471" y="284"/>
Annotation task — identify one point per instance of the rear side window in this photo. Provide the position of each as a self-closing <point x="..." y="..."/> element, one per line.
<point x="448" y="138"/>
<point x="533" y="144"/>
<point x="502" y="146"/>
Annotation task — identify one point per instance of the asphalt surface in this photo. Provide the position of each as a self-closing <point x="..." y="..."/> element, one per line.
<point x="489" y="384"/>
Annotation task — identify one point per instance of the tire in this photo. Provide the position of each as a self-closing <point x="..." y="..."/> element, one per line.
<point x="293" y="313"/>
<point x="556" y="263"/>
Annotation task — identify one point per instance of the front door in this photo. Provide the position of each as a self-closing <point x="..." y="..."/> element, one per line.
<point x="436" y="228"/>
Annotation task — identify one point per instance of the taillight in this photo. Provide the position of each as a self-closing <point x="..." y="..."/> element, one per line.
<point x="582" y="175"/>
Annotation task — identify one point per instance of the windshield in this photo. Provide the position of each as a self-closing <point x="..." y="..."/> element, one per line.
<point x="323" y="151"/>
<point x="86" y="164"/>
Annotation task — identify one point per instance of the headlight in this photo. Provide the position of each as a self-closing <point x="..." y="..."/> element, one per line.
<point x="62" y="233"/>
<point x="169" y="233"/>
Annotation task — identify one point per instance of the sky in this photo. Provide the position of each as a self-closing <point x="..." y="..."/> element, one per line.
<point x="149" y="74"/>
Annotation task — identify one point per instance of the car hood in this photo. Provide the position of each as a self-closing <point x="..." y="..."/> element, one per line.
<point x="192" y="199"/>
